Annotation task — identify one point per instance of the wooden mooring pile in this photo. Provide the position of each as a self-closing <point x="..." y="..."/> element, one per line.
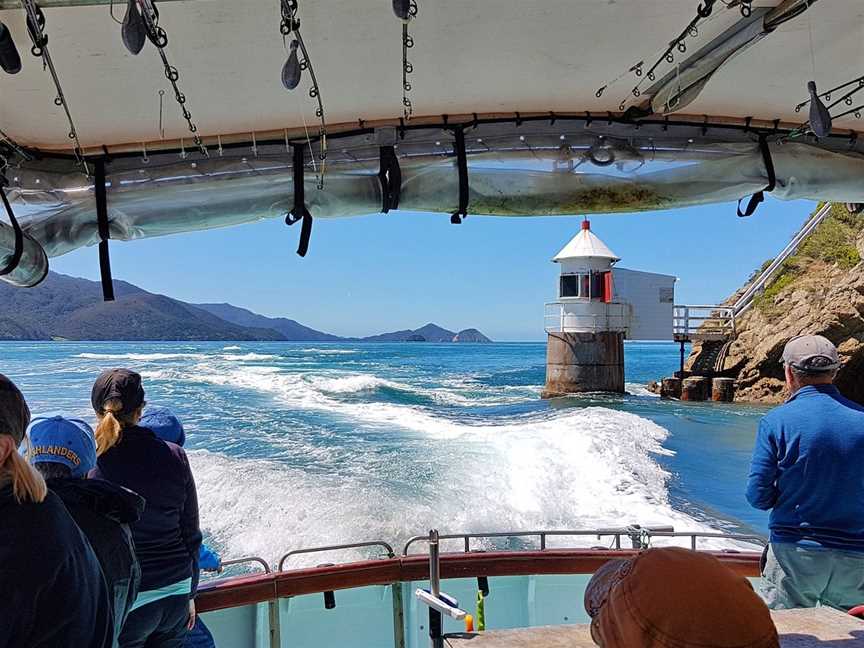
<point x="699" y="388"/>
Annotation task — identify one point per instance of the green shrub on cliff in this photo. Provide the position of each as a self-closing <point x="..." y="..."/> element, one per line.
<point x="834" y="242"/>
<point x="785" y="276"/>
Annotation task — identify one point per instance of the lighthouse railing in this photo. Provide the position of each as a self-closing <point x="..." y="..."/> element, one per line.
<point x="564" y="317"/>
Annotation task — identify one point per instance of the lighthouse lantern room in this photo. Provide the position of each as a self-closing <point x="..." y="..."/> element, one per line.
<point x="598" y="306"/>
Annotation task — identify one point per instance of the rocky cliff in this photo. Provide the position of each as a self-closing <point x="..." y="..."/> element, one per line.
<point x="819" y="290"/>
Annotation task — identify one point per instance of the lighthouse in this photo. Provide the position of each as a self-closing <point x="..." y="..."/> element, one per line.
<point x="598" y="306"/>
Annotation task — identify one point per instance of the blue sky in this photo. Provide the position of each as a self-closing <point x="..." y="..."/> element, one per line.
<point x="378" y="273"/>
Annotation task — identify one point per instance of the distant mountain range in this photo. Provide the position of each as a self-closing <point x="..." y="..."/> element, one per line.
<point x="64" y="307"/>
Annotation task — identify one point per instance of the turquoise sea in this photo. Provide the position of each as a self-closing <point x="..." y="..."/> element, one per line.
<point x="307" y="444"/>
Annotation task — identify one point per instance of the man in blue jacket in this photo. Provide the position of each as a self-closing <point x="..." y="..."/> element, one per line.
<point x="808" y="469"/>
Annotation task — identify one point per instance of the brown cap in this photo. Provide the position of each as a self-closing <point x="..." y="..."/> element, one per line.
<point x="122" y="384"/>
<point x="14" y="413"/>
<point x="676" y="598"/>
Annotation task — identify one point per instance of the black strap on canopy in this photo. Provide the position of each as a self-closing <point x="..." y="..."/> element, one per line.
<point x="462" y="166"/>
<point x="300" y="211"/>
<point x="19" y="235"/>
<point x="758" y="197"/>
<point x="390" y="177"/>
<point x="104" y="231"/>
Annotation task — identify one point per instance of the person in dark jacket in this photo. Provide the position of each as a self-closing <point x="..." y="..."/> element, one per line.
<point x="64" y="451"/>
<point x="53" y="591"/>
<point x="167" y="537"/>
<point x="165" y="425"/>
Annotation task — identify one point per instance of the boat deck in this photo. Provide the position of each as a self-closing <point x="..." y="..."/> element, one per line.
<point x="798" y="629"/>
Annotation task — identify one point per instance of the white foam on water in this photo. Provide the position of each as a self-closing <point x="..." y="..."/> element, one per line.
<point x="577" y="469"/>
<point x="232" y="348"/>
<point x="330" y="351"/>
<point x="235" y="357"/>
<point x="637" y="389"/>
<point x="141" y="357"/>
<point x="353" y="384"/>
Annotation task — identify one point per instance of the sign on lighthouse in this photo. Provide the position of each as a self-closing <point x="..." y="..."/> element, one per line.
<point x="599" y="306"/>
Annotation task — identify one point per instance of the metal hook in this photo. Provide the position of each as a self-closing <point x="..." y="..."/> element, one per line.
<point x="182" y="150"/>
<point x="144" y="158"/>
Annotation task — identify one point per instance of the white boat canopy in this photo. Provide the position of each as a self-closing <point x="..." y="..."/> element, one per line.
<point x="236" y="111"/>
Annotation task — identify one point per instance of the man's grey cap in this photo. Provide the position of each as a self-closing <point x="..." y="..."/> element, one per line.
<point x="811" y="354"/>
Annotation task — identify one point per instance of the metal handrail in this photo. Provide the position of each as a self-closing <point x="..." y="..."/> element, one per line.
<point x="353" y="545"/>
<point x="617" y="532"/>
<point x="638" y="536"/>
<point x="746" y="300"/>
<point x="740" y="537"/>
<point x="249" y="559"/>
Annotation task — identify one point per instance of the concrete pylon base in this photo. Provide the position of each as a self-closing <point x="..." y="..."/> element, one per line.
<point x="584" y="362"/>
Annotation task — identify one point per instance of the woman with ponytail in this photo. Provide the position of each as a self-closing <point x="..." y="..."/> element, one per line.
<point x="53" y="588"/>
<point x="167" y="536"/>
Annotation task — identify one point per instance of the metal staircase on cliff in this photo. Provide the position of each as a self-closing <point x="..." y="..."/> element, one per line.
<point x="712" y="355"/>
<point x="746" y="300"/>
<point x="714" y="326"/>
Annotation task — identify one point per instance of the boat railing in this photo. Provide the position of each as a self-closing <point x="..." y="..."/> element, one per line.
<point x="402" y="574"/>
<point x="638" y="536"/>
<point x="694" y="537"/>
<point x="354" y="545"/>
<point x="245" y="561"/>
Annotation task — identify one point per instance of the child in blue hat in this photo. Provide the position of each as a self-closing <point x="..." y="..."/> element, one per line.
<point x="64" y="452"/>
<point x="165" y="425"/>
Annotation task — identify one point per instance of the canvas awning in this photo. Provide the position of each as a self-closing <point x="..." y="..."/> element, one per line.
<point x="508" y="113"/>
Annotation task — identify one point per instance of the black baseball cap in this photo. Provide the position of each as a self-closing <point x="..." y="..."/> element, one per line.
<point x="14" y="413"/>
<point x="122" y="384"/>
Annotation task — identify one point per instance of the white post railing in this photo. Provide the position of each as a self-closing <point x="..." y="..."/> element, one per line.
<point x="703" y="321"/>
<point x="559" y="319"/>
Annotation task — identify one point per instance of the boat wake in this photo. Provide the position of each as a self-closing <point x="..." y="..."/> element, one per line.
<point x="377" y="469"/>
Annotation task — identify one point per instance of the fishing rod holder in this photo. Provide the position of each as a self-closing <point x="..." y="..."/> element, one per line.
<point x="437" y="601"/>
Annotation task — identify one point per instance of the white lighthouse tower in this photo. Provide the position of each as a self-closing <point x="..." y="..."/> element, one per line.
<point x="598" y="306"/>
